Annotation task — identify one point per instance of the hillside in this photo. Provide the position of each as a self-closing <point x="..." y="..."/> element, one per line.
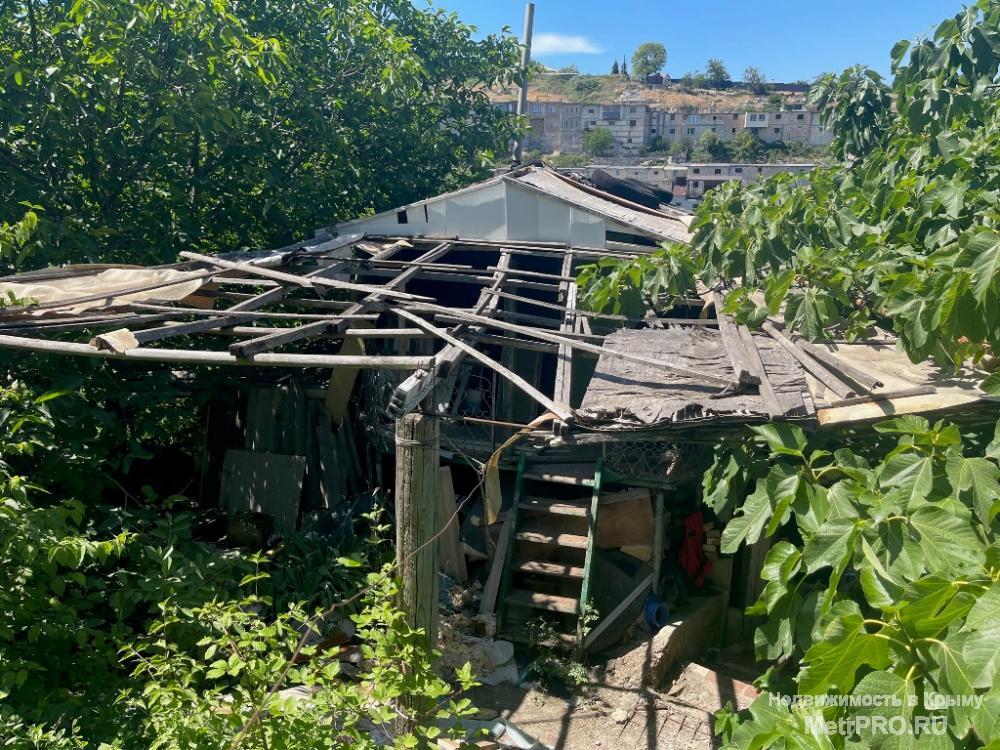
<point x="567" y="87"/>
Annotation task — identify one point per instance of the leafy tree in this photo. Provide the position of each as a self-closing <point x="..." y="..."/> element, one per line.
<point x="624" y="68"/>
<point x="598" y="142"/>
<point x="583" y="88"/>
<point x="716" y="75"/>
<point x="144" y="127"/>
<point x="754" y="80"/>
<point x="857" y="106"/>
<point x="882" y="579"/>
<point x="747" y="147"/>
<point x="682" y="149"/>
<point x="711" y="148"/>
<point x="615" y="70"/>
<point x="648" y="58"/>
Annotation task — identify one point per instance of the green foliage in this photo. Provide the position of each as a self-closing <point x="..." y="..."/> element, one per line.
<point x="144" y="127"/>
<point x="856" y="106"/>
<point x="748" y="147"/>
<point x="647" y="282"/>
<point x="598" y="142"/>
<point x="903" y="238"/>
<point x="17" y="241"/>
<point x="711" y="148"/>
<point x="883" y="578"/>
<point x="615" y="70"/>
<point x="648" y="58"/>
<point x="754" y="80"/>
<point x="716" y="74"/>
<point x="207" y="677"/>
<point x="118" y="627"/>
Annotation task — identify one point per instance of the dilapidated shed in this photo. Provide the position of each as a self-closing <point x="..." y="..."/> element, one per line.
<point x="465" y="308"/>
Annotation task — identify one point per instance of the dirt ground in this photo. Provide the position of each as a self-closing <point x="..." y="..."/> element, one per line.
<point x="617" y="711"/>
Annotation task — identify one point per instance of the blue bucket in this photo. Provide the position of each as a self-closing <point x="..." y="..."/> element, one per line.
<point x="657" y="613"/>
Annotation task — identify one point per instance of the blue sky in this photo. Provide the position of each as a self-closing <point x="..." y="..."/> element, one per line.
<point x="787" y="40"/>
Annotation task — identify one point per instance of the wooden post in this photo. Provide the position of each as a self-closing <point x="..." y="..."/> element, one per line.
<point x="417" y="477"/>
<point x="417" y="480"/>
<point x="659" y="531"/>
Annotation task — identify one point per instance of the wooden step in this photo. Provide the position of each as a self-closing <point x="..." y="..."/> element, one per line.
<point x="547" y="602"/>
<point x="522" y="635"/>
<point x="556" y="507"/>
<point x="544" y="568"/>
<point x="580" y="475"/>
<point x="537" y="533"/>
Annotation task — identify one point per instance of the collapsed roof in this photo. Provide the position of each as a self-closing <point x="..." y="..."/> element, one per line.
<point x="478" y="285"/>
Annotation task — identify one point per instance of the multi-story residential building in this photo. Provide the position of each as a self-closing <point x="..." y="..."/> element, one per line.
<point x="666" y="177"/>
<point x="638" y="126"/>
<point x="704" y="177"/>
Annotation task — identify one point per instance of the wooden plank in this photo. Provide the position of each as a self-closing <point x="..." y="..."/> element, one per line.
<point x="588" y="563"/>
<point x="813" y="367"/>
<point x="734" y="344"/>
<point x="279" y="338"/>
<point x="268" y="483"/>
<point x="756" y="365"/>
<point x="546" y="602"/>
<point x="303" y="281"/>
<point x="418" y="386"/>
<point x="417" y="446"/>
<point x="560" y="410"/>
<point x="574" y="344"/>
<point x="700" y="322"/>
<point x="563" y="387"/>
<point x="553" y="569"/>
<point x="449" y="545"/>
<point x="659" y="539"/>
<point x="609" y="620"/>
<point x="492" y="588"/>
<point x="196" y="357"/>
<point x="838" y="365"/>
<point x="332" y="477"/>
<point x="555" y="507"/>
<point x="553" y="538"/>
<point x="626" y="524"/>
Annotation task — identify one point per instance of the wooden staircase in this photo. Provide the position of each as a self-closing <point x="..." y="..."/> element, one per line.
<point x="547" y="566"/>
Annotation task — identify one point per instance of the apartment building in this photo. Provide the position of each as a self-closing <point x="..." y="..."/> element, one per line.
<point x="637" y="126"/>
<point x="702" y="178"/>
<point x="665" y="177"/>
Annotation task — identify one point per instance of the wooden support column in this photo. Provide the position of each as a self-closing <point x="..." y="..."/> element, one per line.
<point x="417" y="478"/>
<point x="659" y="531"/>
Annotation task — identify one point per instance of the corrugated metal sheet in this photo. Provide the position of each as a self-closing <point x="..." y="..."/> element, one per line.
<point x="656" y="224"/>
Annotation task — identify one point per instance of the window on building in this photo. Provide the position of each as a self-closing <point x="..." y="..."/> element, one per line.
<point x="653" y="131"/>
<point x="734" y="130"/>
<point x="672" y="117"/>
<point x="718" y="171"/>
<point x="694" y="184"/>
<point x="777" y="131"/>
<point x="551" y="109"/>
<point x="632" y="110"/>
<point x="673" y="131"/>
<point x="714" y="130"/>
<point x="631" y="123"/>
<point x="777" y="116"/>
<point x="536" y="109"/>
<point x="714" y="118"/>
<point x="690" y="131"/>
<point x="628" y="140"/>
<point x="800" y="117"/>
<point x="760" y="169"/>
<point x="738" y="170"/>
<point x="736" y="115"/>
<point x="697" y="171"/>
